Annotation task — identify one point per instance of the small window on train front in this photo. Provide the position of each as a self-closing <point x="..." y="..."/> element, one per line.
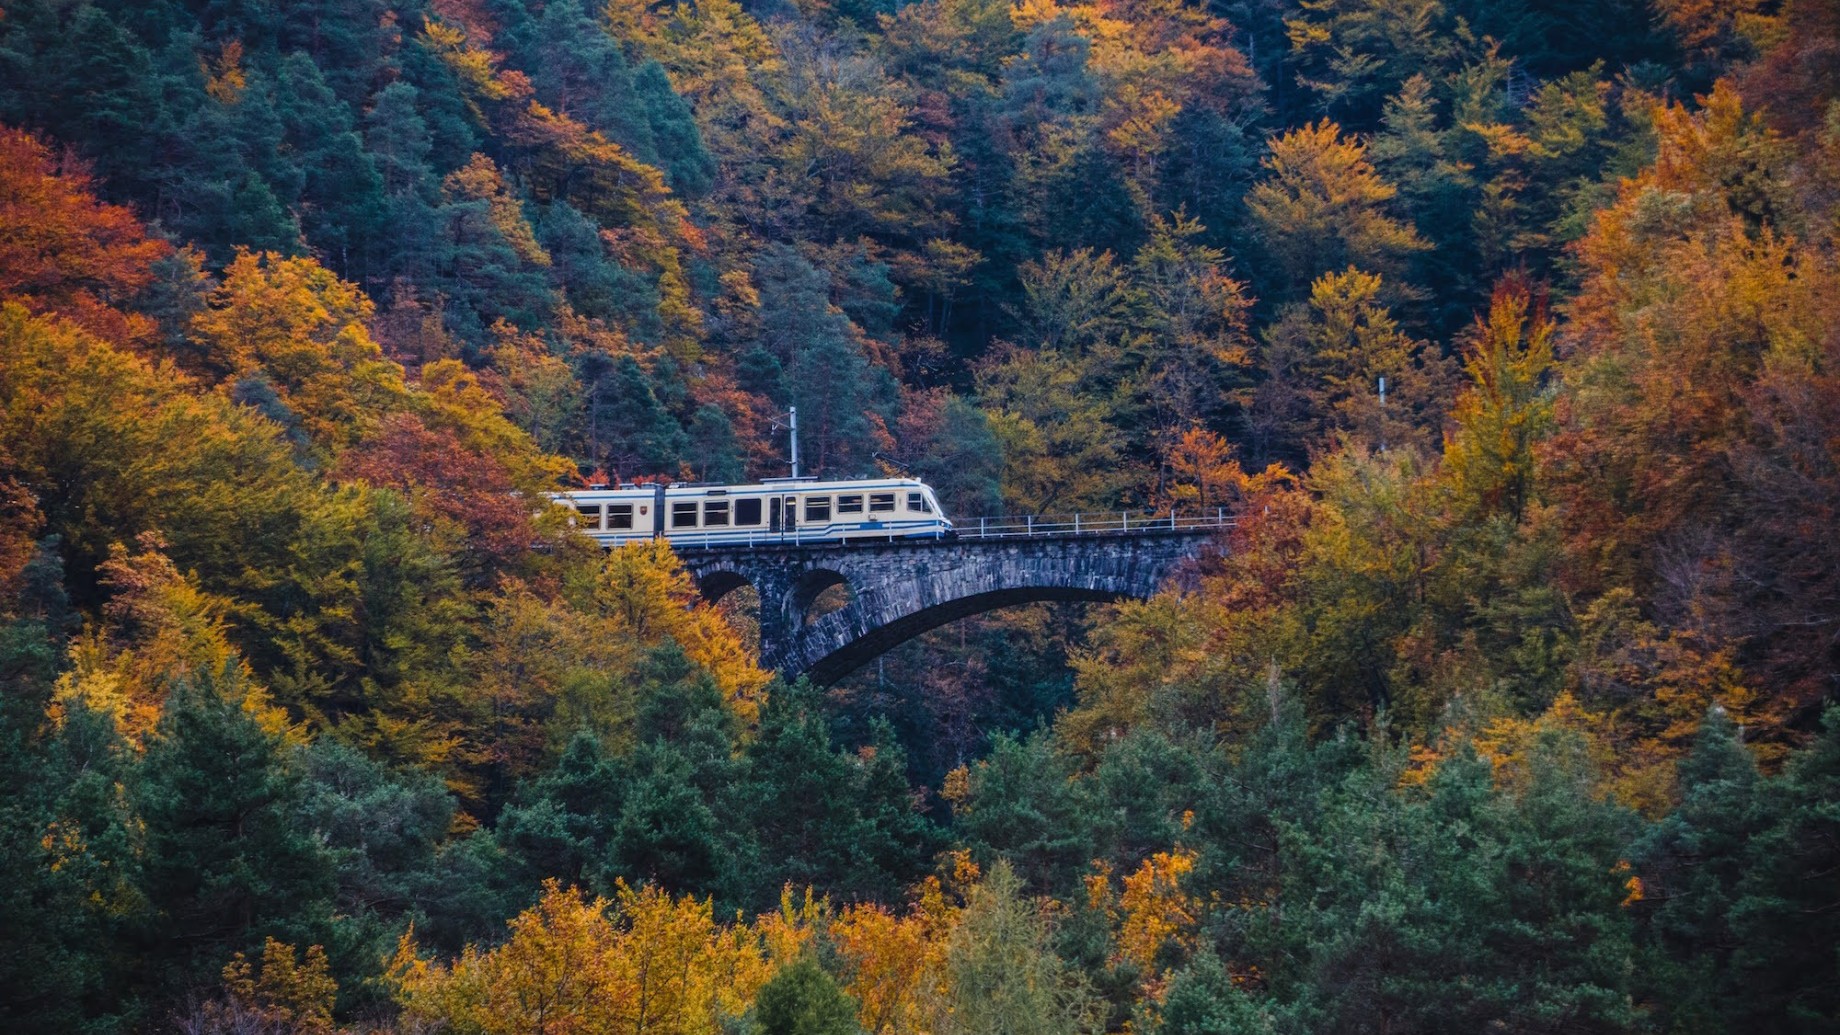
<point x="747" y="512"/>
<point x="590" y="519"/>
<point x="683" y="515"/>
<point x="817" y="508"/>
<point x="917" y="501"/>
<point x="619" y="515"/>
<point x="881" y="502"/>
<point x="715" y="512"/>
<point x="849" y="504"/>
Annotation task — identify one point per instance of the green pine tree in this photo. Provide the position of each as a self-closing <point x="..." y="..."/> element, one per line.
<point x="226" y="861"/>
<point x="801" y="999"/>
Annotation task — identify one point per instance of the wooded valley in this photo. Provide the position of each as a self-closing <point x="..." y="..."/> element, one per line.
<point x="1510" y="702"/>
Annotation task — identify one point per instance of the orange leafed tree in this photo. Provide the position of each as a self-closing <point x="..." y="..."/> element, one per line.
<point x="1203" y="470"/>
<point x="1686" y="466"/>
<point x="64" y="251"/>
<point x="895" y="962"/>
<point x="466" y="495"/>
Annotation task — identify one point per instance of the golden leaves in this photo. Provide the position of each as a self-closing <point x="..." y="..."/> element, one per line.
<point x="649" y="596"/>
<point x="159" y="628"/>
<point x="294" y="994"/>
<point x="645" y="962"/>
<point x="224" y="78"/>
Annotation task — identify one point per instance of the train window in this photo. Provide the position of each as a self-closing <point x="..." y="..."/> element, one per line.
<point x="590" y="516"/>
<point x="849" y="504"/>
<point x="715" y="512"/>
<point x="818" y="508"/>
<point x="619" y="515"/>
<point x="917" y="501"/>
<point x="747" y="511"/>
<point x="881" y="502"/>
<point x="683" y="515"/>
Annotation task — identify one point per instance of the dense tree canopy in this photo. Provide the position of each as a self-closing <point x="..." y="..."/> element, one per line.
<point x="1506" y="333"/>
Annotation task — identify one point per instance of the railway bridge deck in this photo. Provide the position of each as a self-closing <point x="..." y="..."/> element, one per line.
<point x="898" y="590"/>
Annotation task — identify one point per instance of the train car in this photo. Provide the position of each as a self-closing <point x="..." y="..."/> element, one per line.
<point x="777" y="510"/>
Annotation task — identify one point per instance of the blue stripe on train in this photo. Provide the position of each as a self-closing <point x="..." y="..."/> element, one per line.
<point x="762" y="537"/>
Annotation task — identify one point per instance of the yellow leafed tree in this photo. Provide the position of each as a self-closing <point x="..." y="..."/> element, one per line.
<point x="896" y="963"/>
<point x="158" y="627"/>
<point x="644" y="963"/>
<point x="1153" y="912"/>
<point x="297" y="324"/>
<point x="650" y="597"/>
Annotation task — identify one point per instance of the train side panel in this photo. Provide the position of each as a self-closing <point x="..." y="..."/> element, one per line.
<point x="812" y="512"/>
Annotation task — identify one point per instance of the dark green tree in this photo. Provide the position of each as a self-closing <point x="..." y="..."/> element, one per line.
<point x="1691" y="864"/>
<point x="596" y="285"/>
<point x="383" y="829"/>
<point x="712" y="443"/>
<point x="397" y="140"/>
<point x="801" y="999"/>
<point x="342" y="195"/>
<point x="963" y="461"/>
<point x="631" y="432"/>
<point x="582" y="71"/>
<point x="842" y="822"/>
<point x="1203" y="1000"/>
<point x="66" y="846"/>
<point x="226" y="861"/>
<point x="560" y="825"/>
<point x="827" y="377"/>
<point x="1787" y="915"/>
<point x="1463" y="908"/>
<point x="1024" y="808"/>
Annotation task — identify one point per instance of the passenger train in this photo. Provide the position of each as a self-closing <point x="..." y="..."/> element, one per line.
<point x="776" y="510"/>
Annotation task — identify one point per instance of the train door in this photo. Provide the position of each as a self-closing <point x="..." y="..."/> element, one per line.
<point x="658" y="511"/>
<point x="783" y="515"/>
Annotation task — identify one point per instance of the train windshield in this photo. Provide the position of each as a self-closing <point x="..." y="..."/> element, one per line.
<point x="933" y="504"/>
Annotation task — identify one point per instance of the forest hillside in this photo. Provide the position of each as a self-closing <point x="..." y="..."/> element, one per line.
<point x="1508" y="703"/>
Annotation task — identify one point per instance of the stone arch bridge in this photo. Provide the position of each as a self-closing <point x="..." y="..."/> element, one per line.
<point x="898" y="590"/>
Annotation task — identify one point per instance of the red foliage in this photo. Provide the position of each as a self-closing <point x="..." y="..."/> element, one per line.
<point x="455" y="489"/>
<point x="63" y="251"/>
<point x="1264" y="543"/>
<point x="1796" y="81"/>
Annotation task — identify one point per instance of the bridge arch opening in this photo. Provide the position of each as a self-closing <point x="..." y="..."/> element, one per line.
<point x="819" y="592"/>
<point x="718" y="584"/>
<point x="739" y="601"/>
<point x="858" y="647"/>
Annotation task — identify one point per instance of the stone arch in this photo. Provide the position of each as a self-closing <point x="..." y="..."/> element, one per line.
<point x="720" y="583"/>
<point x="843" y="641"/>
<point x="899" y="590"/>
<point x="807" y="589"/>
<point x="738" y="598"/>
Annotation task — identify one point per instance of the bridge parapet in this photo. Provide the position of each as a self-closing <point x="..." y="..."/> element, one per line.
<point x="1029" y="526"/>
<point x="901" y="589"/>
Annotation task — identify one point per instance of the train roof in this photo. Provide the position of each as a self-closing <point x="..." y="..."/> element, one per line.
<point x="766" y="485"/>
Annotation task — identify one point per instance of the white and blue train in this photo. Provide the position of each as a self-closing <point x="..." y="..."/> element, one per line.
<point x="776" y="510"/>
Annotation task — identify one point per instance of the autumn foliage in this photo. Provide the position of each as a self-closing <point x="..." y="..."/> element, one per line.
<point x="62" y="250"/>
<point x="1501" y="338"/>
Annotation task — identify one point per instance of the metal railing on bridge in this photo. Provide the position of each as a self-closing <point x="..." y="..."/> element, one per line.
<point x="1016" y="526"/>
<point x="1025" y="526"/>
